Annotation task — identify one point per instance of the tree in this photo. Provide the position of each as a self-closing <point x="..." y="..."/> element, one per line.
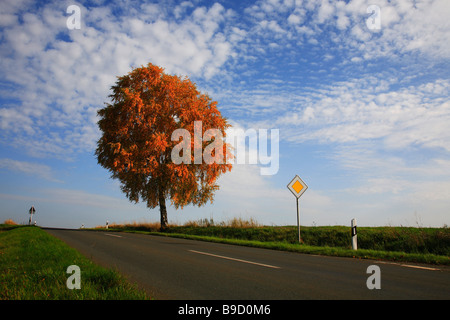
<point x="141" y="130"/>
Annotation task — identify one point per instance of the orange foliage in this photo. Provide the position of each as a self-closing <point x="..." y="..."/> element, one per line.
<point x="147" y="106"/>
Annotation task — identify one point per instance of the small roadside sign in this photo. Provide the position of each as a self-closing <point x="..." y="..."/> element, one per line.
<point x="297" y="187"/>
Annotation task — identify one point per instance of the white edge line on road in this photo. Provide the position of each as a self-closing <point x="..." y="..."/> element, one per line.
<point x="234" y="259"/>
<point x="409" y="266"/>
<point x="112" y="235"/>
<point x="419" y="267"/>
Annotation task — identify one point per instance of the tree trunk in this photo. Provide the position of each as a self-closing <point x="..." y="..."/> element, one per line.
<point x="162" y="209"/>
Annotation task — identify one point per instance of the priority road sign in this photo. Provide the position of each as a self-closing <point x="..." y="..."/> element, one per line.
<point x="297" y="187"/>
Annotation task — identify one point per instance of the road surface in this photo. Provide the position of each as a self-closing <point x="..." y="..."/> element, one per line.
<point x="180" y="269"/>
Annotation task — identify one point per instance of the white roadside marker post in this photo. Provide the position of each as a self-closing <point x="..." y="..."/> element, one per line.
<point x="354" y="235"/>
<point x="31" y="211"/>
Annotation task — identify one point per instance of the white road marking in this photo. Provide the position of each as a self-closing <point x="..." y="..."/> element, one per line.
<point x="418" y="267"/>
<point x="112" y="235"/>
<point x="409" y="265"/>
<point x="234" y="259"/>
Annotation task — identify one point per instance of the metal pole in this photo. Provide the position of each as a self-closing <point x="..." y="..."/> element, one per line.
<point x="298" y="223"/>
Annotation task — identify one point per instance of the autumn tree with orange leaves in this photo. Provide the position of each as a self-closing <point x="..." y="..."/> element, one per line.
<point x="138" y="143"/>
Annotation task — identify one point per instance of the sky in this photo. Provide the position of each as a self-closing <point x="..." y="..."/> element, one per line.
<point x="359" y="91"/>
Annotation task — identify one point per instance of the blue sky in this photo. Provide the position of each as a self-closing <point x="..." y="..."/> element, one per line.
<point x="362" y="113"/>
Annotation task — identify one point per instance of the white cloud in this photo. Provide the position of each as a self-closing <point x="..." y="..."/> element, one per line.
<point x="325" y="11"/>
<point x="406" y="27"/>
<point x="356" y="110"/>
<point x="61" y="76"/>
<point x="29" y="168"/>
<point x="61" y="83"/>
<point x="398" y="187"/>
<point x="294" y="19"/>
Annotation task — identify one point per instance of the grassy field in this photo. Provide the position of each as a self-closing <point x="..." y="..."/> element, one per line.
<point x="33" y="266"/>
<point x="425" y="245"/>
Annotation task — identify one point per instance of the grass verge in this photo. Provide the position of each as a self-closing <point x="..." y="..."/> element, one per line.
<point x="33" y="266"/>
<point x="328" y="251"/>
<point x="402" y="244"/>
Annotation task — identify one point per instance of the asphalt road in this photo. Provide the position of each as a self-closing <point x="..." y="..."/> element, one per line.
<point x="179" y="269"/>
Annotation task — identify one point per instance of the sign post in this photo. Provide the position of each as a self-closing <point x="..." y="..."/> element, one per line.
<point x="297" y="187"/>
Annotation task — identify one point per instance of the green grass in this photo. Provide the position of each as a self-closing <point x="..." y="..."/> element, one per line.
<point x="33" y="266"/>
<point x="423" y="245"/>
<point x="410" y="240"/>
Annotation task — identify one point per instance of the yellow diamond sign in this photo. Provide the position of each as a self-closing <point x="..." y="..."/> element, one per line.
<point x="297" y="186"/>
